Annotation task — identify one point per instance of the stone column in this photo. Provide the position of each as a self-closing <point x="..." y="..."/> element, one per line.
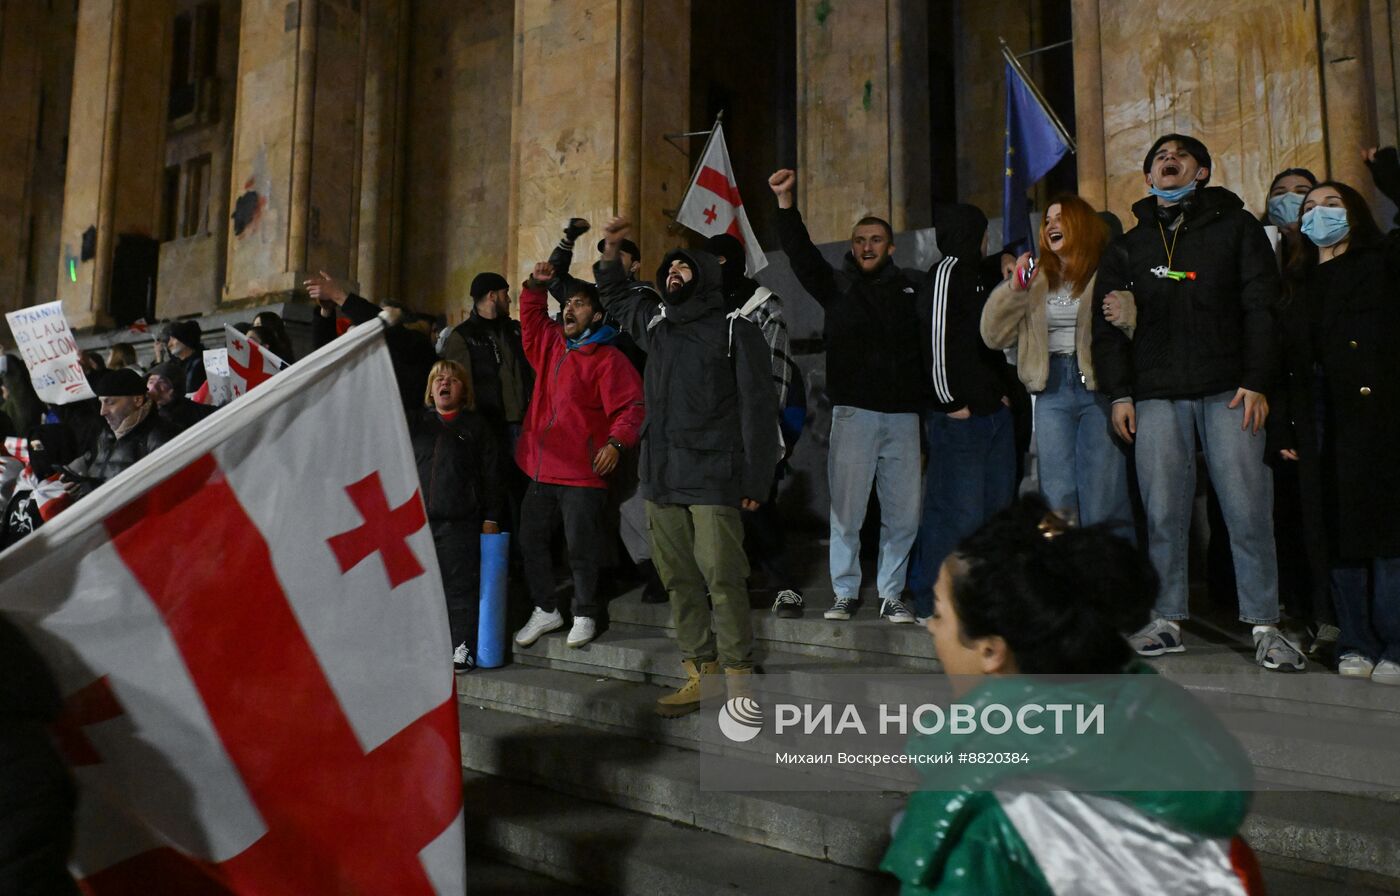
<point x="1088" y="104"/>
<point x="20" y="71"/>
<point x="115" y="138"/>
<point x="843" y="115"/>
<point x="295" y="145"/>
<point x="381" y="161"/>
<point x="1348" y="90"/>
<point x="595" y="90"/>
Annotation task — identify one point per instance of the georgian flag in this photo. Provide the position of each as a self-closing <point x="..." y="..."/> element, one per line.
<point x="712" y="204"/>
<point x="250" y="631"/>
<point x="249" y="364"/>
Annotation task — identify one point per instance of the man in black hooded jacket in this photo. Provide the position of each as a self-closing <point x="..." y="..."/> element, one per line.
<point x="878" y="386"/>
<point x="1198" y="365"/>
<point x="709" y="447"/>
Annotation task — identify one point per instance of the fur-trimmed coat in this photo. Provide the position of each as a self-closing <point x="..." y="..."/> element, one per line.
<point x="1018" y="319"/>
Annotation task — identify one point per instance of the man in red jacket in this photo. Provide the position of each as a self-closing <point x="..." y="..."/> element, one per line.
<point x="586" y="410"/>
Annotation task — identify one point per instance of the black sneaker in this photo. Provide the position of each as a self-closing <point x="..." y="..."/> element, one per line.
<point x="788" y="605"/>
<point x="462" y="660"/>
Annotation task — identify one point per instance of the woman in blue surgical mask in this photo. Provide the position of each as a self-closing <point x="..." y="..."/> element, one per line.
<point x="1284" y="207"/>
<point x="1340" y="421"/>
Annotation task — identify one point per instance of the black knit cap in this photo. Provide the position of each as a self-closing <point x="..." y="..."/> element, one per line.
<point x="624" y="246"/>
<point x="187" y="331"/>
<point x="120" y="382"/>
<point x="487" y="281"/>
<point x="172" y="371"/>
<point x="1196" y="148"/>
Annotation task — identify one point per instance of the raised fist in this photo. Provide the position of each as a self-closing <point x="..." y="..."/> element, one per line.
<point x="542" y="274"/>
<point x="576" y="228"/>
<point x="782" y="182"/>
<point x="616" y="230"/>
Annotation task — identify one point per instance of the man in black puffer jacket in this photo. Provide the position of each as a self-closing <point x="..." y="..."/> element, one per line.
<point x="709" y="448"/>
<point x="878" y="386"/>
<point x="1205" y="284"/>
<point x="134" y="428"/>
<point x="37" y="797"/>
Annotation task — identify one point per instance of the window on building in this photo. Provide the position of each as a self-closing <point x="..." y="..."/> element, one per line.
<point x="194" y="61"/>
<point x="170" y="203"/>
<point x="196" y="219"/>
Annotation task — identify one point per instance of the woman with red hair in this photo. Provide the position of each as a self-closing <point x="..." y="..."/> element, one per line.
<point x="1043" y="314"/>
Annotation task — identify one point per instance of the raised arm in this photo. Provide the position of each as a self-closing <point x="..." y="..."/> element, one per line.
<point x="562" y="285"/>
<point x="632" y="308"/>
<point x="815" y="275"/>
<point x="535" y="326"/>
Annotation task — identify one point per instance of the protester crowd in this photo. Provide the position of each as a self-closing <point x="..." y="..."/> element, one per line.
<point x="657" y="415"/>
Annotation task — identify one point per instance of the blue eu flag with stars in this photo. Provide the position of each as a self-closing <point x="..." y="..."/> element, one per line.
<point x="1033" y="147"/>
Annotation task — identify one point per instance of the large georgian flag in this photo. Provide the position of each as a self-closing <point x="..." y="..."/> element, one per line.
<point x="712" y="204"/>
<point x="250" y="629"/>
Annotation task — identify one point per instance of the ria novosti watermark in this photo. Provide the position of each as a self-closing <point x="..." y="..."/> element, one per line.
<point x="813" y="731"/>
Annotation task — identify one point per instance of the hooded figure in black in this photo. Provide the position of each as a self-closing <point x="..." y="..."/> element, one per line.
<point x="709" y="447"/>
<point x="971" y="472"/>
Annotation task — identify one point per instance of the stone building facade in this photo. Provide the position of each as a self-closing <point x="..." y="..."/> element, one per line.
<point x="168" y="158"/>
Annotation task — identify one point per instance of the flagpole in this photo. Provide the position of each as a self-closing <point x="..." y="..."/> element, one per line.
<point x="694" y="175"/>
<point x="1015" y="63"/>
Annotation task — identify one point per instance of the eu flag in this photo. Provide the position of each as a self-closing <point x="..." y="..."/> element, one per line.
<point x="1033" y="146"/>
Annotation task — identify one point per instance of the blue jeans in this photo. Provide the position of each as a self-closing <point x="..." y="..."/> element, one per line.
<point x="1083" y="468"/>
<point x="1369" y="617"/>
<point x="1166" y="464"/>
<point x="971" y="475"/>
<point x="870" y="447"/>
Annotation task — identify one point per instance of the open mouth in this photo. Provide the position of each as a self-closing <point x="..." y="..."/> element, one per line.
<point x="1055" y="236"/>
<point x="1170" y="169"/>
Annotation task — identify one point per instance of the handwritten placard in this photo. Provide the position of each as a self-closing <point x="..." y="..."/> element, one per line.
<point x="50" y="352"/>
<point x="217" y="373"/>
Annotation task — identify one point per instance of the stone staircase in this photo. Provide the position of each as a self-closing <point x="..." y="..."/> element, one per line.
<point x="570" y="775"/>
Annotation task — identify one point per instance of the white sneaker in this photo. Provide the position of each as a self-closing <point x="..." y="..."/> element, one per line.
<point x="1354" y="665"/>
<point x="1386" y="672"/>
<point x="584" y="630"/>
<point x="893" y="609"/>
<point x="462" y="659"/>
<point x="541" y="623"/>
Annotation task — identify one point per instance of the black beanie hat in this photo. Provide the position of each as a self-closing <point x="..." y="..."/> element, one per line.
<point x="1196" y="148"/>
<point x="172" y="371"/>
<point x="624" y="246"/>
<point x="120" y="382"/>
<point x="725" y="246"/>
<point x="188" y="332"/>
<point x="487" y="281"/>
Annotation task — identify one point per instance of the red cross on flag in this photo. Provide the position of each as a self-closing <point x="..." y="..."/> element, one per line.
<point x="249" y="364"/>
<point x="250" y="629"/>
<point x="712" y="204"/>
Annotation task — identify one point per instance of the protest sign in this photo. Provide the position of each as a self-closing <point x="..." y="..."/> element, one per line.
<point x="51" y="353"/>
<point x="217" y="373"/>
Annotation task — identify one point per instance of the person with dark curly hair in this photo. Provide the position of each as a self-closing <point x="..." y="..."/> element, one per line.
<point x="1029" y="614"/>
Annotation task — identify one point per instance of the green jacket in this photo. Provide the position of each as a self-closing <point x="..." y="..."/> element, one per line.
<point x="1078" y="805"/>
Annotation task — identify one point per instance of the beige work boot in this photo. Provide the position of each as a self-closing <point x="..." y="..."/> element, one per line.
<point x="687" y="699"/>
<point x="738" y="683"/>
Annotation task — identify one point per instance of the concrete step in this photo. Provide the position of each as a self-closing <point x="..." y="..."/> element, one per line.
<point x="605" y="849"/>
<point x="865" y="640"/>
<point x="486" y="877"/>
<point x="668" y="782"/>
<point x="598" y="738"/>
<point x="1294" y="720"/>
